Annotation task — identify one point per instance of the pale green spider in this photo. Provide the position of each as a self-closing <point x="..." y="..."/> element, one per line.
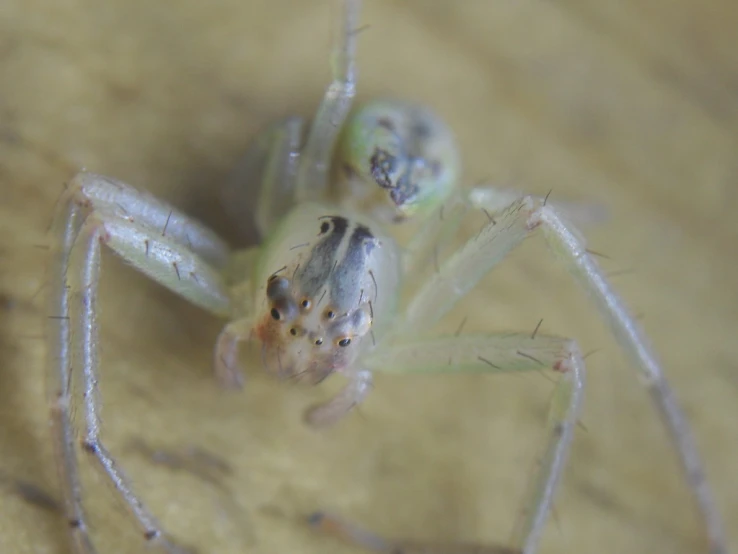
<point x="321" y="292"/>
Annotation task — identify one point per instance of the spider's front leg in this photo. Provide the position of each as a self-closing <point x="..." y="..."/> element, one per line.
<point x="501" y="353"/>
<point x="568" y="246"/>
<point x="163" y="243"/>
<point x="505" y="231"/>
<point x="496" y="353"/>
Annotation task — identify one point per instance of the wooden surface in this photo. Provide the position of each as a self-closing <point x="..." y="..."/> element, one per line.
<point x="632" y="104"/>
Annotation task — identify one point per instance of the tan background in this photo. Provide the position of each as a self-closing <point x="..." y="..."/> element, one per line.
<point x="631" y="104"/>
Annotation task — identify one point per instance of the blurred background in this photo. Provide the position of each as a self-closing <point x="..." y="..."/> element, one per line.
<point x="627" y="104"/>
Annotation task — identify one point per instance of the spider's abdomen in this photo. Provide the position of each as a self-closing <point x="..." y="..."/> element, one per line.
<point x="399" y="159"/>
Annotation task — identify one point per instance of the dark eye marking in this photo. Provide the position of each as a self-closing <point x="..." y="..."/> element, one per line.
<point x="382" y="163"/>
<point x="405" y="190"/>
<point x="275" y="314"/>
<point x="324" y="227"/>
<point x="344" y="342"/>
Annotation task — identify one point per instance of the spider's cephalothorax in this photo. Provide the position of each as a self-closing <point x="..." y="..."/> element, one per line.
<point x="326" y="286"/>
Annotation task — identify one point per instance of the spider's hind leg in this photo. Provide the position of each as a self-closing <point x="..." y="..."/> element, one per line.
<point x="315" y="165"/>
<point x="163" y="243"/>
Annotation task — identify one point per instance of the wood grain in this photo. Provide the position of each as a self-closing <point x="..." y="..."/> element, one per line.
<point x="630" y="104"/>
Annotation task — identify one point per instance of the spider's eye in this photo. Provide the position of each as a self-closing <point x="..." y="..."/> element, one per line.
<point x="318" y="342"/>
<point x="293" y="332"/>
<point x="305" y="303"/>
<point x="277" y="286"/>
<point x="330" y="314"/>
<point x="344" y="342"/>
<point x="275" y="314"/>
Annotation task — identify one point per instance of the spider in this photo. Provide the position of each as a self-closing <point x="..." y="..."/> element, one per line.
<point x="321" y="293"/>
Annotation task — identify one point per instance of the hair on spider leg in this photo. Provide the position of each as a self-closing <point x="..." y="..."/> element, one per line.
<point x="461" y="326"/>
<point x="598" y="254"/>
<point x="535" y="331"/>
<point x="589" y="353"/>
<point x="486" y="361"/>
<point x="358" y="30"/>
<point x="489" y="216"/>
<point x="166" y="224"/>
<point x="529" y="356"/>
<point x="61" y="317"/>
<point x="619" y="272"/>
<point x="540" y="371"/>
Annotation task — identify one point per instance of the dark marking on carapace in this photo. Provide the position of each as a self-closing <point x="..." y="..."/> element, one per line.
<point x="354" y="264"/>
<point x="318" y="267"/>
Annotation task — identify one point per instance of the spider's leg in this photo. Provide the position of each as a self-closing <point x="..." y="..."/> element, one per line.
<point x="430" y="243"/>
<point x="163" y="243"/>
<point x="494" y="199"/>
<point x="271" y="163"/>
<point x="506" y="353"/>
<point x="353" y="393"/>
<point x="462" y="270"/>
<point x="315" y="162"/>
<point x="228" y="369"/>
<point x="58" y="386"/>
<point x="353" y="534"/>
<point x="435" y="236"/>
<point x="436" y="233"/>
<point x="569" y="247"/>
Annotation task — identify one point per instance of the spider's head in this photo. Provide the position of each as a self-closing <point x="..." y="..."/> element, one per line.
<point x="400" y="160"/>
<point x="307" y="339"/>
